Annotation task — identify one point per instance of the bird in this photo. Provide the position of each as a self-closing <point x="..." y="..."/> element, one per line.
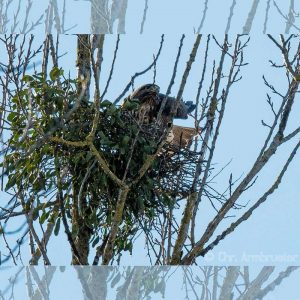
<point x="182" y="111"/>
<point x="182" y="137"/>
<point x="150" y="100"/>
<point x="147" y="96"/>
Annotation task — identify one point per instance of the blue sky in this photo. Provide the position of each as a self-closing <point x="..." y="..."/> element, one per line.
<point x="273" y="227"/>
<point x="171" y="16"/>
<point x="65" y="282"/>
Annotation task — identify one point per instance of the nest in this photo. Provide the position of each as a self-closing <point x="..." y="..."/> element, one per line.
<point x="119" y="138"/>
<point x="121" y="141"/>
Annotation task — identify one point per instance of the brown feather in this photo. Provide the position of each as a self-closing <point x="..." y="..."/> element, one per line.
<point x="183" y="136"/>
<point x="148" y="98"/>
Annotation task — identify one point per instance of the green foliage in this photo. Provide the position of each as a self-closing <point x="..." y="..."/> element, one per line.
<point x="38" y="166"/>
<point x="57" y="226"/>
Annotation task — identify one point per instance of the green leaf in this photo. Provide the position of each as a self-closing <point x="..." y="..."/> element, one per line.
<point x="39" y="77"/>
<point x="57" y="227"/>
<point x="27" y="78"/>
<point x="141" y="139"/>
<point x="55" y="73"/>
<point x="35" y="214"/>
<point x="125" y="140"/>
<point x="128" y="247"/>
<point x="15" y="99"/>
<point x="59" y="103"/>
<point x="11" y="182"/>
<point x="131" y="104"/>
<point x="105" y="103"/>
<point x="11" y="116"/>
<point x="44" y="216"/>
<point x="112" y="110"/>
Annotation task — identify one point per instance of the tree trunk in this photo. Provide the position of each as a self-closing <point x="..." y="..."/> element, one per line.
<point x="79" y="201"/>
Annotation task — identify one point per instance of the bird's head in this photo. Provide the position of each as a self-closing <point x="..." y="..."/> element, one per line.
<point x="145" y="89"/>
<point x="190" y="106"/>
<point x="184" y="109"/>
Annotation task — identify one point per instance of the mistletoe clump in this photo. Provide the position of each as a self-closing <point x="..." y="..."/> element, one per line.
<point x="40" y="167"/>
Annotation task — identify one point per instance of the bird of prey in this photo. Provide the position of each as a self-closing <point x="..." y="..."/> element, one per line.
<point x="147" y="96"/>
<point x="182" y="137"/>
<point x="182" y="112"/>
<point x="150" y="100"/>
